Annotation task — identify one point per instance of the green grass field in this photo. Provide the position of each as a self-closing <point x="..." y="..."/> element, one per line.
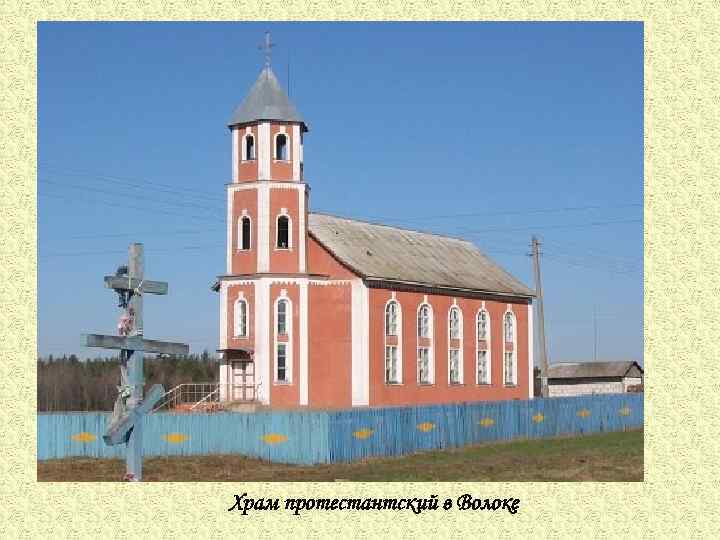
<point x="604" y="457"/>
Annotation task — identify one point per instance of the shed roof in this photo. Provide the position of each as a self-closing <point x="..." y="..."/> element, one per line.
<point x="578" y="370"/>
<point x="266" y="101"/>
<point x="381" y="252"/>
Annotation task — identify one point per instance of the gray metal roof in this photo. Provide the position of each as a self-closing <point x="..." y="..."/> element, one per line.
<point x="266" y="101"/>
<point x="389" y="253"/>
<point x="578" y="370"/>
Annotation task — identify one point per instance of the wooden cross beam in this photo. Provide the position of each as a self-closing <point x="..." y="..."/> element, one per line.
<point x="130" y="407"/>
<point x="126" y="283"/>
<point x="119" y="431"/>
<point x="135" y="343"/>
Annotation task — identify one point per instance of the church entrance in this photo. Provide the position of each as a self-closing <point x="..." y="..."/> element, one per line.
<point x="243" y="380"/>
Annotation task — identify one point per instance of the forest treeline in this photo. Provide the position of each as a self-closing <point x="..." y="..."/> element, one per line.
<point x="68" y="384"/>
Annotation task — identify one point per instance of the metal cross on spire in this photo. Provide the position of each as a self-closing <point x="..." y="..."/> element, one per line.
<point x="266" y="47"/>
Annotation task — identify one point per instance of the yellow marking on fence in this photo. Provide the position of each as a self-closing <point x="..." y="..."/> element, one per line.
<point x="175" y="438"/>
<point x="363" y="433"/>
<point x="487" y="422"/>
<point x="625" y="411"/>
<point x="84" y="437"/>
<point x="274" y="438"/>
<point x="583" y="413"/>
<point x="426" y="426"/>
<point x="538" y="418"/>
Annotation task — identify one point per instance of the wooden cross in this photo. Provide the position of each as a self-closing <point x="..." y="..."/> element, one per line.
<point x="126" y="423"/>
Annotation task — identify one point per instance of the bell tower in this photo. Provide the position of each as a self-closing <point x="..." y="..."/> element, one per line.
<point x="267" y="198"/>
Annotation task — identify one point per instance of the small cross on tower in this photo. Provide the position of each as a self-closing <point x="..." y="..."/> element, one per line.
<point x="266" y="47"/>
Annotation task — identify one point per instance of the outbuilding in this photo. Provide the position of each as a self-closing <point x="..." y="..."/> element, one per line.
<point x="583" y="378"/>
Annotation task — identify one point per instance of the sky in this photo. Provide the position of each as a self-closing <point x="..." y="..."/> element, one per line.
<point x="490" y="131"/>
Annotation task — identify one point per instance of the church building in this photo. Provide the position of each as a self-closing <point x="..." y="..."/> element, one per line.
<point x="323" y="311"/>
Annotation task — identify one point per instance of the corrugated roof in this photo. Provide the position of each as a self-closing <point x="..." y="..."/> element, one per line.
<point x="266" y="101"/>
<point x="576" y="370"/>
<point x="393" y="254"/>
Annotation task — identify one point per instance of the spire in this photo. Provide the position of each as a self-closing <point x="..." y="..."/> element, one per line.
<point x="266" y="99"/>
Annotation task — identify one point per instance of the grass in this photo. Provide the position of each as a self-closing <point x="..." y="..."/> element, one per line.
<point x="603" y="457"/>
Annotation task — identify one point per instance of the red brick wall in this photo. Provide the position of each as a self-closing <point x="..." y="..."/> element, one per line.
<point x="410" y="392"/>
<point x="330" y="346"/>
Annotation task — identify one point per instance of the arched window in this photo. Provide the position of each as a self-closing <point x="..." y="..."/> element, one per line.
<point x="393" y="342"/>
<point x="424" y="321"/>
<point x="510" y="350"/>
<point x="282" y="306"/>
<point x="455" y="357"/>
<point x="249" y="147"/>
<point x="241" y="318"/>
<point x="483" y="365"/>
<point x="244" y="233"/>
<point x="454" y="323"/>
<point x="283" y="339"/>
<point x="425" y="357"/>
<point x="391" y="318"/>
<point x="283" y="232"/>
<point x="509" y="327"/>
<point x="281" y="147"/>
<point x="483" y="325"/>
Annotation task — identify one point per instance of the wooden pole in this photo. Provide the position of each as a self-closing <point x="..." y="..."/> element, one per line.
<point x="136" y="378"/>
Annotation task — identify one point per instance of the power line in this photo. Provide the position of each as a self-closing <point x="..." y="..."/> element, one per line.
<point x="125" y="206"/>
<point x="126" y="192"/>
<point x="138" y="182"/>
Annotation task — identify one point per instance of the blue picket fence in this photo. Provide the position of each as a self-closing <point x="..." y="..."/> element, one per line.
<point x="309" y="437"/>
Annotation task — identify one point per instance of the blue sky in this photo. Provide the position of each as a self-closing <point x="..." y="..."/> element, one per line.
<point x="490" y="131"/>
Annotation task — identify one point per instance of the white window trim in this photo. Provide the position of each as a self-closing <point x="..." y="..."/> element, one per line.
<point x="236" y="314"/>
<point x="461" y="378"/>
<point x="288" y="343"/>
<point x="243" y="148"/>
<point x="288" y="146"/>
<point x="277" y="231"/>
<point x="431" y="347"/>
<point x="398" y="338"/>
<point x="514" y="349"/>
<point x="488" y="346"/>
<point x="240" y="231"/>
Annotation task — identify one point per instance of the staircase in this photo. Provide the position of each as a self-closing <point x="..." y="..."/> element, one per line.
<point x="201" y="397"/>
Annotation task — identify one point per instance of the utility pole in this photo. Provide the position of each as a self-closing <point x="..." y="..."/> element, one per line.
<point x="126" y="423"/>
<point x="595" y="334"/>
<point x="540" y="316"/>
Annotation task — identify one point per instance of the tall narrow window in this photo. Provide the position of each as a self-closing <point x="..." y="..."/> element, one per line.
<point x="482" y="324"/>
<point x="424" y="321"/>
<point x="282" y="317"/>
<point x="241" y="318"/>
<point x="509" y="367"/>
<point x="281" y="363"/>
<point x="391" y="364"/>
<point x="483" y="371"/>
<point x="281" y="147"/>
<point x="454" y="365"/>
<point x="510" y="350"/>
<point x="283" y="232"/>
<point x="454" y="323"/>
<point x="249" y="147"/>
<point x="244" y="229"/>
<point x="509" y="327"/>
<point x="424" y="365"/>
<point x="391" y="319"/>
